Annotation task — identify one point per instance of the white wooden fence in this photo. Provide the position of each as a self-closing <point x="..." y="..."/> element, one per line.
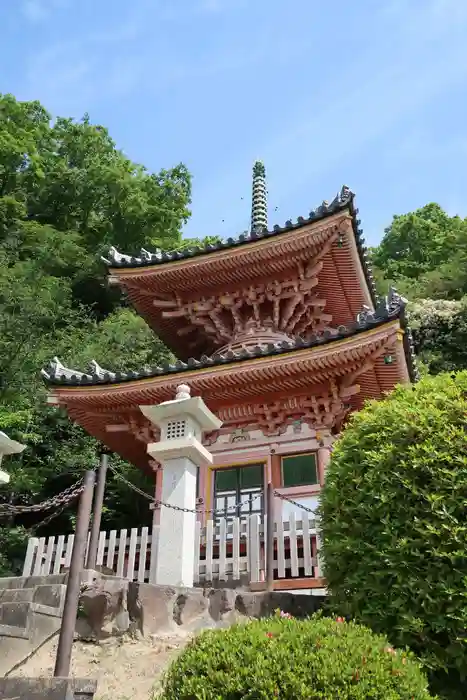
<point x="226" y="550"/>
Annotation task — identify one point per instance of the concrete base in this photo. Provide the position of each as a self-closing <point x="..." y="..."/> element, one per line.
<point x="47" y="688"/>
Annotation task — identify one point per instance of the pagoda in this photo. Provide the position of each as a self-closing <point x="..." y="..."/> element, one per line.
<point x="280" y="331"/>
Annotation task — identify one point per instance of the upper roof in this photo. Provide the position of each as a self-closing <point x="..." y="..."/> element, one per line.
<point x="168" y="289"/>
<point x="344" y="200"/>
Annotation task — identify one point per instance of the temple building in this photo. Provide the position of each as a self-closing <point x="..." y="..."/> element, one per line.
<point x="280" y="332"/>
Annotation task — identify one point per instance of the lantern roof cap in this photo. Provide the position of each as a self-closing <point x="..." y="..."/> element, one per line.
<point x="183" y="405"/>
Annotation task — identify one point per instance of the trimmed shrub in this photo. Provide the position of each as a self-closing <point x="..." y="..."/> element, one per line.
<point x="294" y="660"/>
<point x="394" y="526"/>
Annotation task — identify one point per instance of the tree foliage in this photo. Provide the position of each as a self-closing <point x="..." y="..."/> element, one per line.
<point x="439" y="329"/>
<point x="294" y="660"/>
<point x="66" y="194"/>
<point x="425" y="253"/>
<point x="394" y="527"/>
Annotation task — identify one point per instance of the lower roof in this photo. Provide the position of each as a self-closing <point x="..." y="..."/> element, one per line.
<point x="361" y="365"/>
<point x="390" y="308"/>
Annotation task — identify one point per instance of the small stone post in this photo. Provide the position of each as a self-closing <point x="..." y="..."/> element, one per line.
<point x="8" y="447"/>
<point x="179" y="451"/>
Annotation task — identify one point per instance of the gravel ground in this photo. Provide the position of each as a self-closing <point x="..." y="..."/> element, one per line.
<point x="126" y="669"/>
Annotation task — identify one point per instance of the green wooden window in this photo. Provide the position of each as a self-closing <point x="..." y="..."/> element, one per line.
<point x="299" y="470"/>
<point x="239" y="478"/>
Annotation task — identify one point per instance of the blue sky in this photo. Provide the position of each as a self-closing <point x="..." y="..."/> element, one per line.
<point x="370" y="93"/>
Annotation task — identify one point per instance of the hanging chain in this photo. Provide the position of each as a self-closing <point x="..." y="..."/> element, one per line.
<point x="211" y="511"/>
<point x="48" y="519"/>
<point x="56" y="502"/>
<point x="130" y="484"/>
<point x="294" y="503"/>
<point x="157" y="503"/>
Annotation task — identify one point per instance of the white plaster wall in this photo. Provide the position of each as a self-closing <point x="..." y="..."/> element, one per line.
<point x="308" y="501"/>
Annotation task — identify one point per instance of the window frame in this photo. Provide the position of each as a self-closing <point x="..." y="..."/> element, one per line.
<point x="308" y="453"/>
<point x="258" y="489"/>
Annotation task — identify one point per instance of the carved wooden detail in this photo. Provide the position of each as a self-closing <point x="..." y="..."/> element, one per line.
<point x="318" y="412"/>
<point x="262" y="313"/>
<point x="135" y="424"/>
<point x="143" y="430"/>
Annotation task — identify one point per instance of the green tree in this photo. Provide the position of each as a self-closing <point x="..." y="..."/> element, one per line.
<point x="66" y="194"/>
<point x="424" y="254"/>
<point x="440" y="333"/>
<point x="394" y="528"/>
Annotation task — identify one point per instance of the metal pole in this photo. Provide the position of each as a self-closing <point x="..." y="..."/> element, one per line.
<point x="97" y="512"/>
<point x="70" y="608"/>
<point x="270" y="538"/>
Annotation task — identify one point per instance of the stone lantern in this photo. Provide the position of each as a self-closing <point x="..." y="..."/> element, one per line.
<point x="180" y="451"/>
<point x="8" y="447"/>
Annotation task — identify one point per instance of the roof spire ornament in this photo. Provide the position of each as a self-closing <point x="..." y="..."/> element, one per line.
<point x="259" y="206"/>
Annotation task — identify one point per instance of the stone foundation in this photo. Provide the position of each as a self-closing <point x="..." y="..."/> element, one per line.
<point x="112" y="607"/>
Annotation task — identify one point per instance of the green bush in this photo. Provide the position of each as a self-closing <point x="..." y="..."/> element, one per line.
<point x="394" y="524"/>
<point x="294" y="660"/>
<point x="13" y="545"/>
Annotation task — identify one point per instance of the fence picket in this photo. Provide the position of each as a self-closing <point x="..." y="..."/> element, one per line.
<point x="308" y="564"/>
<point x="68" y="551"/>
<point x="58" y="554"/>
<point x="196" y="575"/>
<point x="293" y="545"/>
<point x="39" y="557"/>
<point x="254" y="543"/>
<point x="143" y="550"/>
<point x="109" y="562"/>
<point x="280" y="549"/>
<point x="222" y="549"/>
<point x="236" y="549"/>
<point x="101" y="548"/>
<point x="49" y="552"/>
<point x="130" y="572"/>
<point x="318" y="570"/>
<point x="121" y="549"/>
<point x="209" y="549"/>
<point x="30" y="554"/>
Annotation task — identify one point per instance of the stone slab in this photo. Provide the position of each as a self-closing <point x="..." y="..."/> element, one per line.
<point x="47" y="689"/>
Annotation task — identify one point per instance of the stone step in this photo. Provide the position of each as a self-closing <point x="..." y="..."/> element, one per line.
<point x="39" y="688"/>
<point x="30" y="614"/>
<point x="16" y="582"/>
<point x="18" y="643"/>
<point x="51" y="595"/>
<point x="17" y="595"/>
<point x="15" y="614"/>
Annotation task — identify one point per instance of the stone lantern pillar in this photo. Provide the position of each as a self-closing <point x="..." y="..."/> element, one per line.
<point x="180" y="452"/>
<point x="8" y="447"/>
